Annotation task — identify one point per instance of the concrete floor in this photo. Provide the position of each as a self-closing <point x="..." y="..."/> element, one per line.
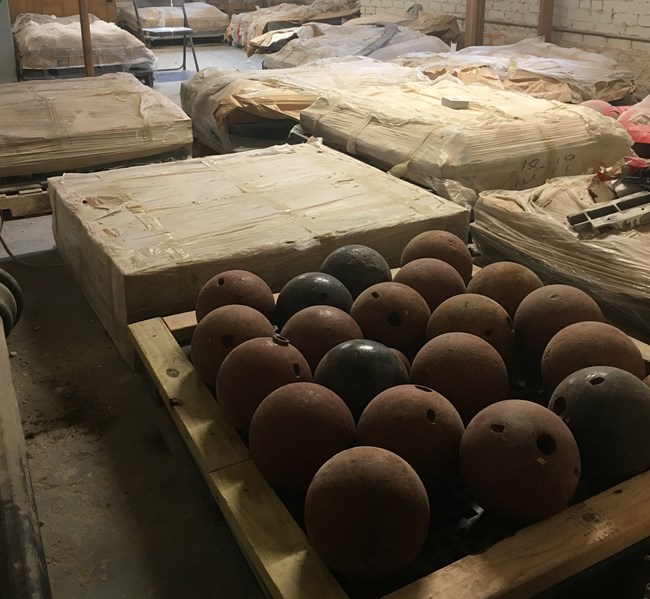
<point x="124" y="512"/>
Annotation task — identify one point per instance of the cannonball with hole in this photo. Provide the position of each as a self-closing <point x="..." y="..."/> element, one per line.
<point x="507" y="283"/>
<point x="253" y="370"/>
<point x="419" y="425"/>
<point x="367" y="513"/>
<point x="519" y="460"/>
<point x="433" y="279"/>
<point x="317" y="329"/>
<point x="393" y="314"/>
<point x="441" y="245"/>
<point x="357" y="267"/>
<point x="218" y="333"/>
<point x="295" y="430"/>
<point x="477" y="315"/>
<point x="403" y="359"/>
<point x="310" y="289"/>
<point x="608" y="412"/>
<point x="585" y="344"/>
<point x="235" y="287"/>
<point x="546" y="311"/>
<point x="358" y="370"/>
<point x="465" y="369"/>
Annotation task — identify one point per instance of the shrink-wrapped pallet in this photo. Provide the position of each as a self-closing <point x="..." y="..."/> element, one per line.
<point x="204" y="19"/>
<point x="531" y="227"/>
<point x="142" y="241"/>
<point x="496" y="140"/>
<point x="70" y="124"/>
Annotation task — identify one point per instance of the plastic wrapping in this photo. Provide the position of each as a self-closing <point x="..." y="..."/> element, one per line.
<point x="245" y="26"/>
<point x="204" y="19"/>
<point x="503" y="140"/>
<point x="534" y="67"/>
<point x="216" y="97"/>
<point x="319" y="40"/>
<point x="57" y="125"/>
<point x="142" y="241"/>
<point x="531" y="227"/>
<point x="44" y="42"/>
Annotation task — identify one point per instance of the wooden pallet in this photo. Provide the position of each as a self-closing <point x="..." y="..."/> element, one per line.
<point x="21" y="201"/>
<point x="534" y="559"/>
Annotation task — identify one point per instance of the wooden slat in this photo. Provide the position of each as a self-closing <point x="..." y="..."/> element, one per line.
<point x="211" y="440"/>
<point x="273" y="542"/>
<point x="32" y="203"/>
<point x="547" y="552"/>
<point x="474" y="22"/>
<point x="545" y="19"/>
<point x="181" y="326"/>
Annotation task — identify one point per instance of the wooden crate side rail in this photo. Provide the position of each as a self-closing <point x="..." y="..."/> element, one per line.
<point x="272" y="541"/>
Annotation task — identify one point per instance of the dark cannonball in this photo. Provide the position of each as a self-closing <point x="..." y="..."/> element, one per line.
<point x="477" y="315"/>
<point x="218" y="333"/>
<point x="253" y="370"/>
<point x="317" y="329"/>
<point x="443" y="246"/>
<point x="608" y="412"/>
<point x="465" y="369"/>
<point x="393" y="314"/>
<point x="418" y="425"/>
<point x="295" y="430"/>
<point x="519" y="460"/>
<point x="358" y="370"/>
<point x="310" y="289"/>
<point x="546" y="311"/>
<point x="235" y="287"/>
<point x="647" y="381"/>
<point x="357" y="267"/>
<point x="403" y="359"/>
<point x="367" y="513"/>
<point x="507" y="283"/>
<point x="585" y="344"/>
<point x="433" y="279"/>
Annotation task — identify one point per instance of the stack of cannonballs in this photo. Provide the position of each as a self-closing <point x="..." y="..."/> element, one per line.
<point x="366" y="393"/>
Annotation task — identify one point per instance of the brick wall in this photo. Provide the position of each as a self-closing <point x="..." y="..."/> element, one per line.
<point x="579" y="23"/>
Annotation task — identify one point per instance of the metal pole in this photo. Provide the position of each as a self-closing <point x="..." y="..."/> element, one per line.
<point x="474" y="22"/>
<point x="86" y="40"/>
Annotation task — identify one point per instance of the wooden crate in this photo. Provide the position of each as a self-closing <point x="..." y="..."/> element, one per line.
<point x="534" y="559"/>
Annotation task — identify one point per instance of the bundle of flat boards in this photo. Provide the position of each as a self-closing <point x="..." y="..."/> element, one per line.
<point x="531" y="227"/>
<point x="142" y="241"/>
<point x="64" y="125"/>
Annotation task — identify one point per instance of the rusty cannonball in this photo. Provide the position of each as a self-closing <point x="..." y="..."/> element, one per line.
<point x="358" y="370"/>
<point x="507" y="283"/>
<point x="235" y="287"/>
<point x="443" y="246"/>
<point x="585" y="344"/>
<point x="367" y="513"/>
<point x="608" y="412"/>
<point x="465" y="369"/>
<point x="403" y="359"/>
<point x="218" y="333"/>
<point x="519" y="460"/>
<point x="418" y="425"/>
<point x="295" y="430"/>
<point x="393" y="314"/>
<point x="477" y="315"/>
<point x="546" y="311"/>
<point x="252" y="370"/>
<point x="433" y="279"/>
<point x="647" y="381"/>
<point x="317" y="329"/>
<point x="310" y="289"/>
<point x="357" y="267"/>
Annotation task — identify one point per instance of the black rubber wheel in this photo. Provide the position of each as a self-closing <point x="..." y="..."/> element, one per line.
<point x="6" y="310"/>
<point x="10" y="283"/>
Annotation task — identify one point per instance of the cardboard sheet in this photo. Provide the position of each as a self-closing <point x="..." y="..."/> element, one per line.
<point x="502" y="140"/>
<point x="531" y="227"/>
<point x="45" y="42"/>
<point x="56" y="125"/>
<point x="534" y="67"/>
<point x="142" y="241"/>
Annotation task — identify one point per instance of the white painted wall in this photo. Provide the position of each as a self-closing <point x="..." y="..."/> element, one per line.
<point x="7" y="60"/>
<point x="588" y="24"/>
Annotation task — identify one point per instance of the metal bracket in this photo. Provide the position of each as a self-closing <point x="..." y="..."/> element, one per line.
<point x="627" y="213"/>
